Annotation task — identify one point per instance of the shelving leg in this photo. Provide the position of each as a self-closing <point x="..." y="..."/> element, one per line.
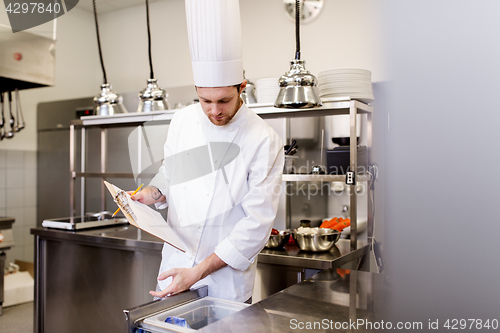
<point x="353" y="166"/>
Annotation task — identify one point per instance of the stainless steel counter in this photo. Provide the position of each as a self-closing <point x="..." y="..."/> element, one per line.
<point x="331" y="301"/>
<point x="111" y="269"/>
<point x="130" y="237"/>
<point x="124" y="236"/>
<point x="326" y="302"/>
<point x="84" y="279"/>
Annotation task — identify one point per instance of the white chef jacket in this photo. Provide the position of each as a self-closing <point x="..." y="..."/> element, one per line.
<point x="222" y="185"/>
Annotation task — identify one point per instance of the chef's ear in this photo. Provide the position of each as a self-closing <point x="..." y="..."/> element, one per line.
<point x="242" y="86"/>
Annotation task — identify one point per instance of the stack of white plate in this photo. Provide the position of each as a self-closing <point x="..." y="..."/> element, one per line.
<point x="267" y="90"/>
<point x="346" y="82"/>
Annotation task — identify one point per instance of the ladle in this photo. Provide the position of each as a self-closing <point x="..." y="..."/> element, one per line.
<point x="19" y="112"/>
<point x="12" y="120"/>
<point x="2" y="121"/>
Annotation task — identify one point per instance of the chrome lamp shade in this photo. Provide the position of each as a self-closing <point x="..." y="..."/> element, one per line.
<point x="298" y="88"/>
<point x="108" y="103"/>
<point x="153" y="98"/>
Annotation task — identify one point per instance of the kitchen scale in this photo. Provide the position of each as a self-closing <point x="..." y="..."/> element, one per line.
<point x="84" y="222"/>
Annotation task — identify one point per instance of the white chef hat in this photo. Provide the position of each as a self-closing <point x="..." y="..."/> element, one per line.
<point x="214" y="32"/>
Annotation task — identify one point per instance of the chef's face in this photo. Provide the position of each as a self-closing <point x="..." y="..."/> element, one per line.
<point x="221" y="104"/>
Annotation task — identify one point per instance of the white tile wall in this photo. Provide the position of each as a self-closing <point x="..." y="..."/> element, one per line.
<point x="3" y="158"/>
<point x="3" y="174"/>
<point x="15" y="197"/>
<point x="15" y="178"/>
<point x="30" y="213"/>
<point x="30" y="160"/>
<point x="18" y="199"/>
<point x="3" y="202"/>
<point x="30" y="178"/>
<point x="15" y="159"/>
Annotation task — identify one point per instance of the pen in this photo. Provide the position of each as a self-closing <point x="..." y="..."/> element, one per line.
<point x="116" y="212"/>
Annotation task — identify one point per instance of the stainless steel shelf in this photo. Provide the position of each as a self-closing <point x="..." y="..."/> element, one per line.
<point x="286" y="178"/>
<point x="124" y="118"/>
<point x="330" y="107"/>
<point x="265" y="110"/>
<point x="340" y="254"/>
<point x="109" y="175"/>
<point x="321" y="178"/>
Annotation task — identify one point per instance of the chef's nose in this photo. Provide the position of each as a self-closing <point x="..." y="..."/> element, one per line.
<point x="216" y="109"/>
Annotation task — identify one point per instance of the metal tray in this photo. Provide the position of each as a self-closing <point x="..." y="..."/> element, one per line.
<point x="85" y="222"/>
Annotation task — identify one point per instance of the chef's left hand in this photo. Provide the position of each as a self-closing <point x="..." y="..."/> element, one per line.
<point x="182" y="279"/>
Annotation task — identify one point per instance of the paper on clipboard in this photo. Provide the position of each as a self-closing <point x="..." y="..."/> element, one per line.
<point x="143" y="217"/>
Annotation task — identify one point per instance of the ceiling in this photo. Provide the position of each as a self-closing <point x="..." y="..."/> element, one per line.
<point x="106" y="6"/>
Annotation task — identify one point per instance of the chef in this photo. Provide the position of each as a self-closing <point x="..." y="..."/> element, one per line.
<point x="221" y="176"/>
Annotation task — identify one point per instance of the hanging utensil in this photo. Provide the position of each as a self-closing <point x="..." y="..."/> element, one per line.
<point x="12" y="120"/>
<point x="19" y="112"/>
<point x="2" y="120"/>
<point x="16" y="119"/>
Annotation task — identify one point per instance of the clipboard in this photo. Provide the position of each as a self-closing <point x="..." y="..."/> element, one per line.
<point x="143" y="217"/>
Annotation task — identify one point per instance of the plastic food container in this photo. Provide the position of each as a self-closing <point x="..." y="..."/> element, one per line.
<point x="198" y="314"/>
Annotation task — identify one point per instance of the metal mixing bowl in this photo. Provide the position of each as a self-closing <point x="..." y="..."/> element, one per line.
<point x="279" y="240"/>
<point x="321" y="241"/>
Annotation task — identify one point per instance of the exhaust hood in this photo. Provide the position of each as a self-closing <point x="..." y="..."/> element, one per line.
<point x="26" y="60"/>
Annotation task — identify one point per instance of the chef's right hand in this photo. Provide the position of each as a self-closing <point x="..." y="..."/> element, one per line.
<point x="148" y="195"/>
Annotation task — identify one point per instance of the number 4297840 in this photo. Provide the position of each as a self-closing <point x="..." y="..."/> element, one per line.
<point x="32" y="8"/>
<point x="462" y="324"/>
